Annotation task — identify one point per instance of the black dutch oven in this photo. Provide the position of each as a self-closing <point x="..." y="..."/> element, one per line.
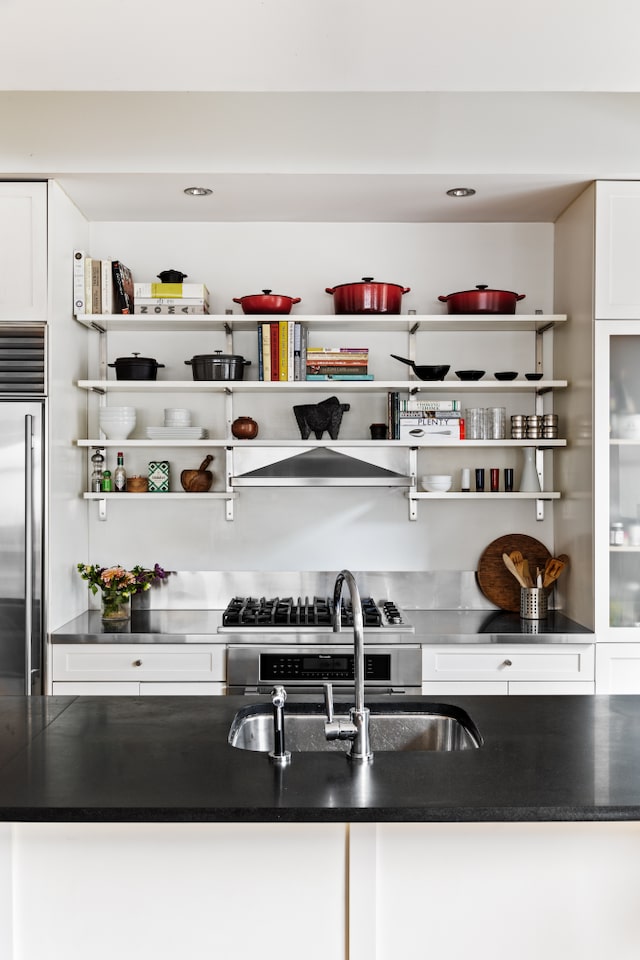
<point x="218" y="366"/>
<point x="136" y="368"/>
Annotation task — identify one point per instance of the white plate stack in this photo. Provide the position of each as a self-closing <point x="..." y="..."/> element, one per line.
<point x="177" y="426"/>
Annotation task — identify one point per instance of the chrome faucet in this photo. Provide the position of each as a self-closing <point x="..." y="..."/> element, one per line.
<point x="279" y="754"/>
<point x="356" y="728"/>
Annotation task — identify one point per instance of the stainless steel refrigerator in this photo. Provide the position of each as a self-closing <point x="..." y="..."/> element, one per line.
<point x="22" y="433"/>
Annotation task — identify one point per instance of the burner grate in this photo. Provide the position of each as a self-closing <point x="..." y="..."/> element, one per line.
<point x="287" y="612"/>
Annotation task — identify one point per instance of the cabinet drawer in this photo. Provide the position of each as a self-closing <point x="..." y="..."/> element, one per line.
<point x="196" y="689"/>
<point x="98" y="689"/>
<point x="461" y="688"/>
<point x="168" y="662"/>
<point x="507" y="663"/>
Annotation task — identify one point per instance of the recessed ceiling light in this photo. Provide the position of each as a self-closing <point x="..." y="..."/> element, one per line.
<point x="461" y="192"/>
<point x="198" y="191"/>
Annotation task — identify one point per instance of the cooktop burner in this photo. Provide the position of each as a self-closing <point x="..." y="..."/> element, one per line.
<point x="316" y="612"/>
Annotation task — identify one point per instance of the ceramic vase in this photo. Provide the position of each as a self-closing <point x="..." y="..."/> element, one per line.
<point x="529" y="481"/>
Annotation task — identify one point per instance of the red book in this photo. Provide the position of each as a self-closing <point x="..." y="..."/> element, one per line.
<point x="275" y="351"/>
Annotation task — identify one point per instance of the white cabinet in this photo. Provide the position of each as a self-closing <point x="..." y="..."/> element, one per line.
<point x="507" y="668"/>
<point x="402" y="462"/>
<point x="618" y="668"/>
<point x="23" y="251"/>
<point x="617" y="293"/>
<point x="114" y="668"/>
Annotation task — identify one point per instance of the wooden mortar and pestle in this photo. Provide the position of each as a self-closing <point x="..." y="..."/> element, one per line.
<point x="200" y="480"/>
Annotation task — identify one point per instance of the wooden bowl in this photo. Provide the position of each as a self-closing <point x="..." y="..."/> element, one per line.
<point x="137" y="484"/>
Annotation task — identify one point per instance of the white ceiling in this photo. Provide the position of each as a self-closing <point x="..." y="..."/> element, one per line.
<point x="320" y="156"/>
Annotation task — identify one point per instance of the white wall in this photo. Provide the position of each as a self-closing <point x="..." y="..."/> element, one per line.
<point x="324" y="529"/>
<point x="320" y="45"/>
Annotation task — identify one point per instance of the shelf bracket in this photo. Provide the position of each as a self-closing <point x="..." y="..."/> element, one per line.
<point x="228" y="487"/>
<point x="413" y="473"/>
<point x="102" y="509"/>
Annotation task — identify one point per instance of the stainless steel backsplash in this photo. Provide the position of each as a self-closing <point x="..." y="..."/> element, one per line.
<point x="411" y="590"/>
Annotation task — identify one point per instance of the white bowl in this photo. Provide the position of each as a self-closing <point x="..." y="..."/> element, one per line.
<point x="117" y="411"/>
<point x="436" y="482"/>
<point x="119" y="431"/>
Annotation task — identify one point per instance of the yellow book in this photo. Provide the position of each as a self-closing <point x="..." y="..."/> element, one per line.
<point x="284" y="349"/>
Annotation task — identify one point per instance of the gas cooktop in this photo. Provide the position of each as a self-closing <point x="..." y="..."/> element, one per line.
<point x="276" y="612"/>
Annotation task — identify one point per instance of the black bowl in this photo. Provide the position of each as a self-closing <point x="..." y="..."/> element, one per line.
<point x="533" y="376"/>
<point x="436" y="371"/>
<point x="506" y="375"/>
<point x="470" y="374"/>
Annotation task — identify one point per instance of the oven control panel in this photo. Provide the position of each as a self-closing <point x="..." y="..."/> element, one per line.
<point x="321" y="667"/>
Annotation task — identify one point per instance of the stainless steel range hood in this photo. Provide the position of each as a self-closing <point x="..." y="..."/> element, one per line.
<point x="321" y="467"/>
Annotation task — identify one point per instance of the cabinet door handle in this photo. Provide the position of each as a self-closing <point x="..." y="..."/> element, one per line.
<point x="507" y="663"/>
<point x="137" y="663"/>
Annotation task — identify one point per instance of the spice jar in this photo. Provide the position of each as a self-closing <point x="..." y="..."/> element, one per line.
<point x="616" y="534"/>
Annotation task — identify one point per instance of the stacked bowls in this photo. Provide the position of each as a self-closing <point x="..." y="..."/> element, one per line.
<point x="177" y="417"/>
<point x="117" y="423"/>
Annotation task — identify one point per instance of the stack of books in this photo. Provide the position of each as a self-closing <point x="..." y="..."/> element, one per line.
<point x="282" y="347"/>
<point x="338" y="363"/>
<point x="101" y="286"/>
<point x="171" y="298"/>
<point x="413" y="419"/>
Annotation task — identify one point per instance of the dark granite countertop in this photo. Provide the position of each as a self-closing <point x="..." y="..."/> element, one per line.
<point x="431" y="626"/>
<point x="167" y="759"/>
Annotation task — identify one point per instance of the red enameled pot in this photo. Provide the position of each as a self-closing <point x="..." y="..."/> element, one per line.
<point x="482" y="300"/>
<point x="266" y="302"/>
<point x="367" y="297"/>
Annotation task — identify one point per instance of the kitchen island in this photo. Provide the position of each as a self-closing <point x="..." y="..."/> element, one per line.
<point x="135" y="817"/>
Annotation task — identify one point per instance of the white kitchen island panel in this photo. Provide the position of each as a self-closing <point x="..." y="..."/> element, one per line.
<point x="165" y="891"/>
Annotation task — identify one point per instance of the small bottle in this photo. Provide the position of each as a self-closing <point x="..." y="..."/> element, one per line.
<point x="96" y="475"/>
<point x="107" y="485"/>
<point x="616" y="535"/>
<point x="120" y="475"/>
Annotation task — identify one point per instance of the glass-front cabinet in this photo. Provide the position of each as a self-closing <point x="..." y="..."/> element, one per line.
<point x="617" y="480"/>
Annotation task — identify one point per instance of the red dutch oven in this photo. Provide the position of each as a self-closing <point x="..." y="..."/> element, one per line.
<point x="482" y="300"/>
<point x="367" y="297"/>
<point x="266" y="302"/>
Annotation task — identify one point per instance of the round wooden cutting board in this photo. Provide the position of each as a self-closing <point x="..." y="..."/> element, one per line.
<point x="497" y="584"/>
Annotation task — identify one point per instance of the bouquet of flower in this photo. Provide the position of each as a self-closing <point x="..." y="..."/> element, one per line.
<point x="117" y="584"/>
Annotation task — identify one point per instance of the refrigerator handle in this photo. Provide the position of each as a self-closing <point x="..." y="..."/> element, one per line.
<point x="28" y="552"/>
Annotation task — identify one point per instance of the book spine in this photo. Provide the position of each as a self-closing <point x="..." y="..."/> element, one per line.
<point x="284" y="350"/>
<point x="297" y="349"/>
<point x="260" y="356"/>
<point x="122" y="285"/>
<point x="173" y="301"/>
<point x="179" y="290"/>
<point x="266" y="351"/>
<point x="429" y="414"/>
<point x="106" y="282"/>
<point x="290" y="349"/>
<point x="96" y="286"/>
<point x="335" y="369"/>
<point x="439" y="405"/>
<point x="340" y="376"/>
<point x="275" y="351"/>
<point x="304" y="341"/>
<point x="87" y="284"/>
<point x="78" y="282"/>
<point x="171" y="310"/>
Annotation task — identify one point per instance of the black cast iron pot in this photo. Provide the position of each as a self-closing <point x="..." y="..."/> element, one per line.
<point x="218" y="366"/>
<point x="136" y="368"/>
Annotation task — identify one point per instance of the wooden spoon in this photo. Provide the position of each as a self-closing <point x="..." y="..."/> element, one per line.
<point x="511" y="567"/>
<point x="552" y="570"/>
<point x="522" y="566"/>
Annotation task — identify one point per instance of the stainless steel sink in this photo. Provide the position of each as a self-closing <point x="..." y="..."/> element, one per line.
<point x="406" y="726"/>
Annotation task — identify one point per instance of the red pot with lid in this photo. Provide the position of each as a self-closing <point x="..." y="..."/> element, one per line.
<point x="266" y="302"/>
<point x="482" y="300"/>
<point x="367" y="296"/>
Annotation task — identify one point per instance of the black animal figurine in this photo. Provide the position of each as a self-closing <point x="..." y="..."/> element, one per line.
<point x="318" y="417"/>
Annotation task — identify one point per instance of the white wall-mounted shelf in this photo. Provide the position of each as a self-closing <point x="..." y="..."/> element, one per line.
<point x="358" y="444"/>
<point x="228" y="323"/>
<point x="297" y="386"/>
